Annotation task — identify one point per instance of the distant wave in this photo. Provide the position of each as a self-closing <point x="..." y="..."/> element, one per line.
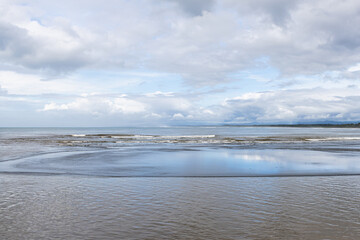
<point x="109" y="140"/>
<point x="114" y="140"/>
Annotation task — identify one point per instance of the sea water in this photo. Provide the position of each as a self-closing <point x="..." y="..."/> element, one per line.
<point x="180" y="183"/>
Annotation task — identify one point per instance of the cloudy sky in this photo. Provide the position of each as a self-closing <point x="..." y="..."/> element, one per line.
<point x="176" y="62"/>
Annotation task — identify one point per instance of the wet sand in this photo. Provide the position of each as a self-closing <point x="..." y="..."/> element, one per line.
<point x="79" y="207"/>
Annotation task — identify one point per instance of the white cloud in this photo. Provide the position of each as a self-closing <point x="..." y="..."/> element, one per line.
<point x="281" y="106"/>
<point x="214" y="40"/>
<point x="354" y="68"/>
<point x="207" y="44"/>
<point x="288" y="106"/>
<point x="98" y="105"/>
<point x="178" y="116"/>
<point x="161" y="108"/>
<point x="159" y="93"/>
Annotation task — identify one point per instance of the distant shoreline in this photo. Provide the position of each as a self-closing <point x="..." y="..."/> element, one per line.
<point x="321" y="125"/>
<point x="299" y="125"/>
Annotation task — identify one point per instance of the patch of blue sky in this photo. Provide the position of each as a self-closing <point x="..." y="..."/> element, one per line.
<point x="38" y="20"/>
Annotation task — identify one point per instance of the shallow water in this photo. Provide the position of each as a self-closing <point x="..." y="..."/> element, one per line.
<point x="179" y="183"/>
<point x="74" y="207"/>
<point x="185" y="151"/>
<point x="182" y="162"/>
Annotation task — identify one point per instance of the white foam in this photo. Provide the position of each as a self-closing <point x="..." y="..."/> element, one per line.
<point x="122" y="136"/>
<point x="164" y="136"/>
<point x="333" y="139"/>
<point x="188" y="136"/>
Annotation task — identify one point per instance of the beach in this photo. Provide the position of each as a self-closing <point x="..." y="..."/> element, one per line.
<point x="180" y="183"/>
<point x="78" y="207"/>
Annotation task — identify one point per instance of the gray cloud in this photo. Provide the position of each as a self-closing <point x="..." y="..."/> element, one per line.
<point x="18" y="47"/>
<point x="206" y="43"/>
<point x="287" y="106"/>
<point x="195" y="7"/>
<point x="14" y="42"/>
<point x="293" y="106"/>
<point x="297" y="37"/>
<point x="276" y="11"/>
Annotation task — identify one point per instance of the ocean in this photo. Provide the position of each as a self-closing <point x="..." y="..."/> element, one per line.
<point x="210" y="182"/>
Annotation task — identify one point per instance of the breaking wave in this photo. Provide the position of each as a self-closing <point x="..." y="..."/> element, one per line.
<point x="111" y="140"/>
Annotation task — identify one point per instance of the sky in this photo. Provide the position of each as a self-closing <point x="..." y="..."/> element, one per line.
<point x="178" y="62"/>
